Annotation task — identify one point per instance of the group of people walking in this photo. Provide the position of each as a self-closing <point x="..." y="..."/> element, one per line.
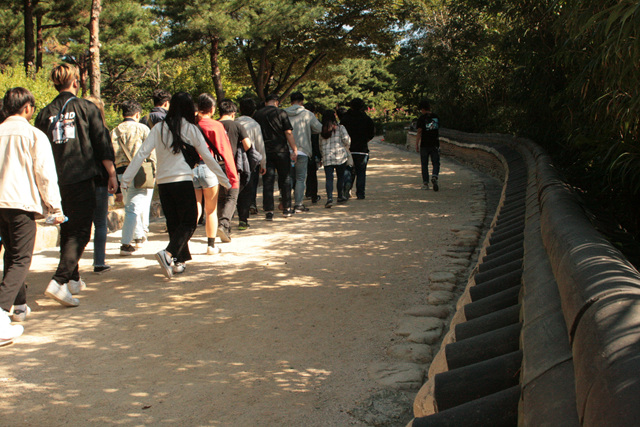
<point x="70" y="163"/>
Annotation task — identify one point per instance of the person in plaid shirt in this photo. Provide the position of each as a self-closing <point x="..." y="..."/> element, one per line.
<point x="334" y="143"/>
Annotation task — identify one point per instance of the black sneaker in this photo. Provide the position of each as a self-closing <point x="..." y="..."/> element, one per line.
<point x="253" y="210"/>
<point x="98" y="269"/>
<point x="287" y="213"/>
<point x="329" y="203"/>
<point x="126" y="250"/>
<point x="243" y="225"/>
<point x="268" y="216"/>
<point x="223" y="234"/>
<point x="342" y="200"/>
<point x="315" y="199"/>
<point x="434" y="182"/>
<point x="301" y="208"/>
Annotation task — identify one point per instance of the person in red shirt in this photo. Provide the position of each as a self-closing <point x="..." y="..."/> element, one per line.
<point x="220" y="147"/>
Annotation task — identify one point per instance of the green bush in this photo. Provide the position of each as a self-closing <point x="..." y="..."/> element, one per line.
<point x="39" y="84"/>
<point x="398" y="137"/>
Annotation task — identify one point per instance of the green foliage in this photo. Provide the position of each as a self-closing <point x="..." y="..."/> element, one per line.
<point x="397" y="137"/>
<point x="564" y="73"/>
<point x="338" y="84"/>
<point x="11" y="38"/>
<point x="39" y="84"/>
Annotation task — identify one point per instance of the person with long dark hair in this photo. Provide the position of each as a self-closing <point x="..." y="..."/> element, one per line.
<point x="334" y="143"/>
<point x="174" y="176"/>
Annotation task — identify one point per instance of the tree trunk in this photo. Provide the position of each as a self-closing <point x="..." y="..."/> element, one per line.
<point x="216" y="75"/>
<point x="39" y="41"/>
<point x="94" y="49"/>
<point x="29" y="35"/>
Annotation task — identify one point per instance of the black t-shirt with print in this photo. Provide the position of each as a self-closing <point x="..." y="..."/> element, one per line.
<point x="429" y="123"/>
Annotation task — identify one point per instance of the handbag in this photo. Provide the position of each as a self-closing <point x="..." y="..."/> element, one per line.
<point x="190" y="154"/>
<point x="146" y="175"/>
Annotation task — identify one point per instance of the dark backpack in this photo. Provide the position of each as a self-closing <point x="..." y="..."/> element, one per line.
<point x="62" y="130"/>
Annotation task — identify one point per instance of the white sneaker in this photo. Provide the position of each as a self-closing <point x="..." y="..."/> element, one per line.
<point x="165" y="262"/>
<point x="60" y="293"/>
<point x="212" y="250"/>
<point x="8" y="331"/>
<point x="178" y="267"/>
<point x="75" y="286"/>
<point x="20" y="313"/>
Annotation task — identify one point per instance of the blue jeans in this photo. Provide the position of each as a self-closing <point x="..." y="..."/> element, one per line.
<point x="328" y="172"/>
<point x="137" y="204"/>
<point x="299" y="173"/>
<point x="425" y="153"/>
<point x="100" y="226"/>
<point x="358" y="173"/>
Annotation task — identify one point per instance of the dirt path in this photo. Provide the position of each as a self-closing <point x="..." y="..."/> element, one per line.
<point x="278" y="330"/>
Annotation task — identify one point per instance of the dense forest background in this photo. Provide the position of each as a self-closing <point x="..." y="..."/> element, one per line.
<point x="563" y="73"/>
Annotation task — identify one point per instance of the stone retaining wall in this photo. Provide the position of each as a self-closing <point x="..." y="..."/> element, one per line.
<point x="547" y="331"/>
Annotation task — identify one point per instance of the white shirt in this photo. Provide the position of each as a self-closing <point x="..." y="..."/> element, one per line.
<point x="172" y="167"/>
<point x="28" y="177"/>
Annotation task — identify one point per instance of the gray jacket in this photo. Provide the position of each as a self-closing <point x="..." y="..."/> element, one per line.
<point x="304" y="123"/>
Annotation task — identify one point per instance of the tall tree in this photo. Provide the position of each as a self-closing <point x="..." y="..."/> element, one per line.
<point x="29" y="34"/>
<point x="289" y="40"/>
<point x="203" y="26"/>
<point x="131" y="58"/>
<point x="94" y="47"/>
<point x="11" y="35"/>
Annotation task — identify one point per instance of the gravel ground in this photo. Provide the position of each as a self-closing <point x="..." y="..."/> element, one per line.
<point x="280" y="329"/>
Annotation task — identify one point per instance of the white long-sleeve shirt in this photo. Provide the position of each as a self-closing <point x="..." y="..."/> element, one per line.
<point x="172" y="167"/>
<point x="28" y="177"/>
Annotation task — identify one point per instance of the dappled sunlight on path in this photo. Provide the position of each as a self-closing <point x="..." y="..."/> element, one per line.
<point x="275" y="330"/>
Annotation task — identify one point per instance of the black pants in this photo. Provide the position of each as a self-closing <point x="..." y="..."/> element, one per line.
<point x="245" y="198"/>
<point x="312" y="179"/>
<point x="280" y="163"/>
<point x="227" y="200"/>
<point x="78" y="204"/>
<point x="18" y="232"/>
<point x="181" y="212"/>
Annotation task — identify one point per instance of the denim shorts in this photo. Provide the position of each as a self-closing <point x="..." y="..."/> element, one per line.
<point x="203" y="177"/>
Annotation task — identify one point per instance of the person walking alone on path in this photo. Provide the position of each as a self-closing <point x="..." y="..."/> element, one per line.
<point x="334" y="143"/>
<point x="175" y="177"/>
<point x="126" y="139"/>
<point x="28" y="182"/>
<point x="428" y="145"/>
<point x="81" y="141"/>
<point x="361" y="130"/>
<point x="205" y="181"/>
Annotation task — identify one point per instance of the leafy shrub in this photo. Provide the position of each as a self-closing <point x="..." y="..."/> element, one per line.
<point x="39" y="84"/>
<point x="398" y="137"/>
